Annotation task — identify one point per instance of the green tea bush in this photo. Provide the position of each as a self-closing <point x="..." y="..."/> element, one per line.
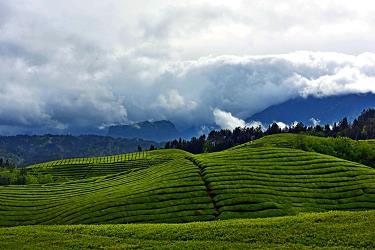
<point x="255" y="180"/>
<point x="341" y="147"/>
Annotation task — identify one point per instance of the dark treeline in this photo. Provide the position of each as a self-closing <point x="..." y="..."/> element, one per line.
<point x="5" y="163"/>
<point x="362" y="128"/>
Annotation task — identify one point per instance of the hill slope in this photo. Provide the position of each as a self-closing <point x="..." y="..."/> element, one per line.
<point x="172" y="186"/>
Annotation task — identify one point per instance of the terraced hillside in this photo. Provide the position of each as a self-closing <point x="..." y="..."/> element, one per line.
<point x="289" y="140"/>
<point x="172" y="191"/>
<point x="266" y="181"/>
<point x="362" y="151"/>
<point x="78" y="168"/>
<point x="176" y="186"/>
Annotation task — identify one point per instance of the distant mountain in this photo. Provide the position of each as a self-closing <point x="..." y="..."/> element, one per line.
<point x="25" y="149"/>
<point x="326" y="110"/>
<point x="156" y="131"/>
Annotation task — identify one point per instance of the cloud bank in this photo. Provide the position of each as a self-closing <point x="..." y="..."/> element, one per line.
<point x="184" y="92"/>
<point x="227" y="120"/>
<point x="68" y="66"/>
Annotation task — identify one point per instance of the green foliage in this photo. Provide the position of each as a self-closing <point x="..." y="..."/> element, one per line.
<point x="20" y="176"/>
<point x="358" y="151"/>
<point x="11" y="176"/>
<point x="167" y="190"/>
<point x="258" y="181"/>
<point x="331" y="230"/>
<point x="78" y="168"/>
<point x="252" y="180"/>
<point x="45" y="178"/>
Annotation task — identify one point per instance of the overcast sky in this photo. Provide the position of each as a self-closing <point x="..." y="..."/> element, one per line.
<point x="76" y="65"/>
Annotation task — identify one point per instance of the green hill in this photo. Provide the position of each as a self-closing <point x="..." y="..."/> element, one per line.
<point x="362" y="151"/>
<point x="266" y="181"/>
<point x="253" y="180"/>
<point x="172" y="191"/>
<point x="78" y="168"/>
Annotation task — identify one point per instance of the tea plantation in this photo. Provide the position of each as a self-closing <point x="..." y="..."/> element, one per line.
<point x="329" y="230"/>
<point x="269" y="177"/>
<point x="261" y="182"/>
<point x="78" y="168"/>
<point x="171" y="191"/>
<point x="362" y="151"/>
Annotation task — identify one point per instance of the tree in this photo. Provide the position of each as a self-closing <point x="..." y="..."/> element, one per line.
<point x="327" y="130"/>
<point x="344" y="124"/>
<point x="355" y="132"/>
<point x="343" y="127"/>
<point x="152" y="147"/>
<point x="298" y="128"/>
<point x="318" y="130"/>
<point x="139" y="148"/>
<point x="273" y="129"/>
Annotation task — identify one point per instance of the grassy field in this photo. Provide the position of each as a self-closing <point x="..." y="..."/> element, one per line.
<point x="330" y="230"/>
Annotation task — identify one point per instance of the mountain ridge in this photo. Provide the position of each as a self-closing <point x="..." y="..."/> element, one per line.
<point x="148" y="130"/>
<point x="325" y="110"/>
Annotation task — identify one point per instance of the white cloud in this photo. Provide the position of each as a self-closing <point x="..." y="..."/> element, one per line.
<point x="281" y="125"/>
<point x="74" y="64"/>
<point x="314" y="121"/>
<point x="118" y="90"/>
<point x="226" y="120"/>
<point x="172" y="100"/>
<point x="255" y="124"/>
<point x="294" y="124"/>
